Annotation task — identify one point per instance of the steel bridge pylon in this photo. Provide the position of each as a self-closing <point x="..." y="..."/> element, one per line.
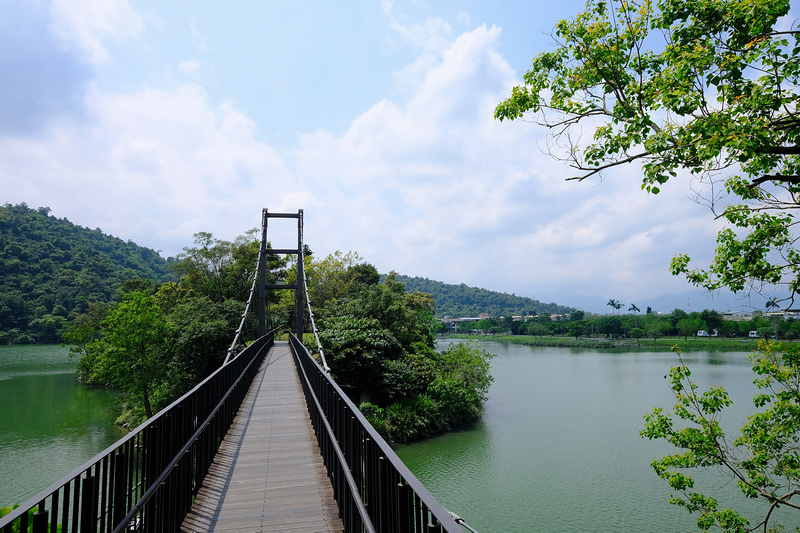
<point x="262" y="273"/>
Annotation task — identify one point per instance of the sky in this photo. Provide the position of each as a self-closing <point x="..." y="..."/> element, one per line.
<point x="155" y="120"/>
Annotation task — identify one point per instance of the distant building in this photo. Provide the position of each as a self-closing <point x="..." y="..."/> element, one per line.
<point x="452" y="324"/>
<point x="737" y="316"/>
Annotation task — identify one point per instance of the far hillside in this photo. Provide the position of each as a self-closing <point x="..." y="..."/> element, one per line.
<point x="464" y="301"/>
<point x="50" y="269"/>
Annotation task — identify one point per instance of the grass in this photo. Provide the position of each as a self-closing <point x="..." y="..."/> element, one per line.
<point x="663" y="343"/>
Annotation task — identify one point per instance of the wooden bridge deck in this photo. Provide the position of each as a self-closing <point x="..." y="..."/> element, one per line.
<point x="268" y="474"/>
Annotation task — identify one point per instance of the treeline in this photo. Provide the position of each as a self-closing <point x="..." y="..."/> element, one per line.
<point x="463" y="301"/>
<point x="51" y="269"/>
<point x="648" y="325"/>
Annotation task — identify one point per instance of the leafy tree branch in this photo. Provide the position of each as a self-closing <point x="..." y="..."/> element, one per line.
<point x="706" y="88"/>
<point x="764" y="460"/>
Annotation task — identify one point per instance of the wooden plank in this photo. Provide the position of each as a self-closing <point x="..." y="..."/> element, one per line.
<point x="268" y="474"/>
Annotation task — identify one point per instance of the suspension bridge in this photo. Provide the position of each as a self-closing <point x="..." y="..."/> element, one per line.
<point x="268" y="442"/>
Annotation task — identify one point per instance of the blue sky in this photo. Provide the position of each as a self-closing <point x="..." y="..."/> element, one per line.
<point x="154" y="120"/>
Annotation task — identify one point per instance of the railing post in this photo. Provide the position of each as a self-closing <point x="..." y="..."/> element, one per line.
<point x="403" y="507"/>
<point x="40" y="518"/>
<point x="120" y="484"/>
<point x="433" y="526"/>
<point x="88" y="505"/>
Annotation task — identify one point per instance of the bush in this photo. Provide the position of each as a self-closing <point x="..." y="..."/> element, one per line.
<point x="457" y="380"/>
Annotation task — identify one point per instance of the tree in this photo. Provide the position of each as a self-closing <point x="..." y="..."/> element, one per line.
<point x="379" y="340"/>
<point x="763" y="460"/>
<point x="635" y="310"/>
<point x="638" y="333"/>
<point x="202" y="333"/>
<point x="707" y="88"/>
<point x="135" y="351"/>
<point x="610" y="325"/>
<point x="464" y="327"/>
<point x="358" y="350"/>
<point x="677" y="315"/>
<point x="614" y="304"/>
<point x="85" y="328"/>
<point x="576" y="328"/>
<point x="51" y="269"/>
<point x="712" y="319"/>
<point x="221" y="269"/>
<point x="484" y="325"/>
<point x="656" y="329"/>
<point x="772" y="304"/>
<point x="537" y="329"/>
<point x="688" y="326"/>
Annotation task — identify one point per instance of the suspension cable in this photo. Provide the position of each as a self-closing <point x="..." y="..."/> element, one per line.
<point x="313" y="325"/>
<point x="460" y="521"/>
<point x="244" y="315"/>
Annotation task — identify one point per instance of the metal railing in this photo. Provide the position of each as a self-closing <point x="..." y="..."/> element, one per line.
<point x="146" y="480"/>
<point x="375" y="491"/>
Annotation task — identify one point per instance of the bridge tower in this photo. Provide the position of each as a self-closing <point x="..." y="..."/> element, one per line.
<point x="262" y="274"/>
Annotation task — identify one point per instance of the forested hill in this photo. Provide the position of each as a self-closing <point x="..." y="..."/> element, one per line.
<point x="50" y="269"/>
<point x="463" y="301"/>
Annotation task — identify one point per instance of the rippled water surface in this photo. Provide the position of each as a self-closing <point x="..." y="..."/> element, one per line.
<point x="558" y="448"/>
<point x="50" y="424"/>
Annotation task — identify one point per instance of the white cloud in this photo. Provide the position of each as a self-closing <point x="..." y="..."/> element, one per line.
<point x="154" y="166"/>
<point x="198" y="41"/>
<point x="85" y="23"/>
<point x="429" y="38"/>
<point x="191" y="66"/>
<point x="429" y="185"/>
<point x="438" y="188"/>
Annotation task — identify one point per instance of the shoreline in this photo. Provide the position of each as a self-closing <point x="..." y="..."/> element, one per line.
<point x="663" y="343"/>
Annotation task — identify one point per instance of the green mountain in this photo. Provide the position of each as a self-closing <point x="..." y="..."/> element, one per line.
<point x="464" y="301"/>
<point x="50" y="269"/>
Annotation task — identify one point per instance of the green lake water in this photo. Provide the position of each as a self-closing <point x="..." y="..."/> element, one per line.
<point x="558" y="448"/>
<point x="50" y="424"/>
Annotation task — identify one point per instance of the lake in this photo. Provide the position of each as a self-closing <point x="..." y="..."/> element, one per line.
<point x="558" y="448"/>
<point x="50" y="423"/>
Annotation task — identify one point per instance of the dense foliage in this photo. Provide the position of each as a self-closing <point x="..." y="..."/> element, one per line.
<point x="159" y="341"/>
<point x="379" y="342"/>
<point x="464" y="301"/>
<point x="51" y="269"/>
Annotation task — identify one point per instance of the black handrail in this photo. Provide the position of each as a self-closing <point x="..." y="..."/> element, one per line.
<point x="374" y="489"/>
<point x="147" y="479"/>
